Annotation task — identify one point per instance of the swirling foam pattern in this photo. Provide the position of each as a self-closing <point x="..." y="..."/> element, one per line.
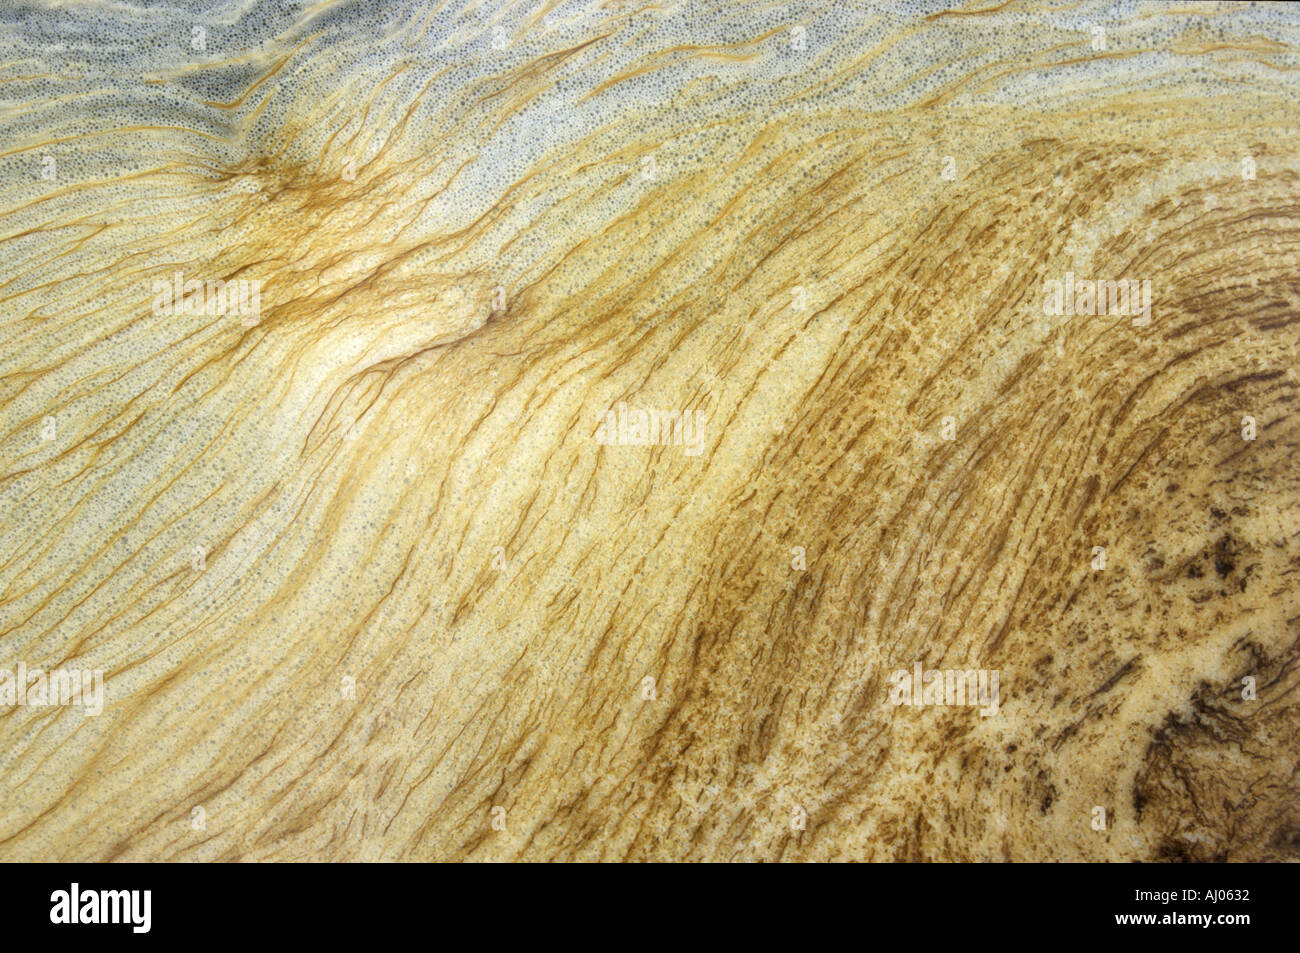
<point x="371" y="574"/>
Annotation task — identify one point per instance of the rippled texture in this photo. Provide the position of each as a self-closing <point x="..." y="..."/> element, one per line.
<point x="364" y="581"/>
